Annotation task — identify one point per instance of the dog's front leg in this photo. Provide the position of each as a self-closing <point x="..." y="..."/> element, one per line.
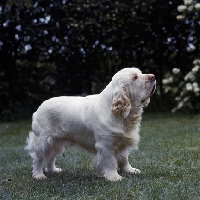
<point x="124" y="164"/>
<point x="106" y="163"/>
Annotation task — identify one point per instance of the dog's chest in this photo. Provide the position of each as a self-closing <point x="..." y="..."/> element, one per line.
<point x="132" y="122"/>
<point x="122" y="143"/>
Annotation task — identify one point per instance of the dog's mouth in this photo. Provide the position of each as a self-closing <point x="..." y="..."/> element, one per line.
<point x="153" y="89"/>
<point x="151" y="93"/>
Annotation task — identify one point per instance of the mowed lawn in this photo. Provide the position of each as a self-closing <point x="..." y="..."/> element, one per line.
<point x="168" y="157"/>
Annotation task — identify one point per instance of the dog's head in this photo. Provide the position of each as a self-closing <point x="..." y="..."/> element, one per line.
<point x="131" y="88"/>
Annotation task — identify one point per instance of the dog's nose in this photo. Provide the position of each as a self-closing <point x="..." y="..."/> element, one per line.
<point x="151" y="77"/>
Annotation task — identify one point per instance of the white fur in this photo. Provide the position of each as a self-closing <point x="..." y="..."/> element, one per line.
<point x="106" y="125"/>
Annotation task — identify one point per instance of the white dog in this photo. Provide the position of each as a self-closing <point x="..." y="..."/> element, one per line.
<point x="106" y="125"/>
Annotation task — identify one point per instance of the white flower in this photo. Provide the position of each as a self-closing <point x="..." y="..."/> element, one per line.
<point x="180" y="105"/>
<point x="180" y="17"/>
<point x="189" y="76"/>
<point x="195" y="84"/>
<point x="186" y="77"/>
<point x="186" y="99"/>
<point x="167" y="89"/>
<point x="182" y="93"/>
<point x="196" y="89"/>
<point x="189" y="87"/>
<point x="190" y="8"/>
<point x="197" y="6"/>
<point x="167" y="80"/>
<point x="196" y="61"/>
<point x="195" y="69"/>
<point x="176" y="70"/>
<point x="171" y="79"/>
<point x="181" y="8"/>
<point x="187" y="2"/>
<point x="178" y="98"/>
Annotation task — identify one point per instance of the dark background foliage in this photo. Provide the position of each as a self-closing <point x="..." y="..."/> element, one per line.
<point x="65" y="47"/>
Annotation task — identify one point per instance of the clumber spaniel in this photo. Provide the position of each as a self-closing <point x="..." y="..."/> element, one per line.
<point x="106" y="125"/>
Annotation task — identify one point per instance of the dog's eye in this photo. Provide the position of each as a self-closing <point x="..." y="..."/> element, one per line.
<point x="134" y="77"/>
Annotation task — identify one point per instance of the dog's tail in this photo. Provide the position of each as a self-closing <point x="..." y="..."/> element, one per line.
<point x="33" y="144"/>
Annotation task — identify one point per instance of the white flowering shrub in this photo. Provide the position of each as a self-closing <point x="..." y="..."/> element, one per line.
<point x="190" y="6"/>
<point x="186" y="88"/>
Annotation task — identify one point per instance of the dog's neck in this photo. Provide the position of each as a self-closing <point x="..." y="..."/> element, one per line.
<point x="133" y="119"/>
<point x="106" y="93"/>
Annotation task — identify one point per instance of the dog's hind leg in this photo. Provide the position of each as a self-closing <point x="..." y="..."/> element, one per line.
<point x="38" y="167"/>
<point x="55" y="147"/>
<point x="50" y="159"/>
<point x="34" y="146"/>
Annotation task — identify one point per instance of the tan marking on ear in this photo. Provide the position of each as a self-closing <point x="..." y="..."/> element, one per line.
<point x="121" y="105"/>
<point x="145" y="102"/>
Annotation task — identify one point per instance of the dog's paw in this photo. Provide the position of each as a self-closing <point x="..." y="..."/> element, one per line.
<point x="54" y="170"/>
<point x="130" y="169"/>
<point x="57" y="170"/>
<point x="112" y="176"/>
<point x="39" y="176"/>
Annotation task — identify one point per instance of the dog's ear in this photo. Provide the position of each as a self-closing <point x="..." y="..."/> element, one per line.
<point x="121" y="104"/>
<point x="145" y="102"/>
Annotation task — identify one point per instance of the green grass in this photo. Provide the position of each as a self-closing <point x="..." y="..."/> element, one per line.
<point x="168" y="156"/>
